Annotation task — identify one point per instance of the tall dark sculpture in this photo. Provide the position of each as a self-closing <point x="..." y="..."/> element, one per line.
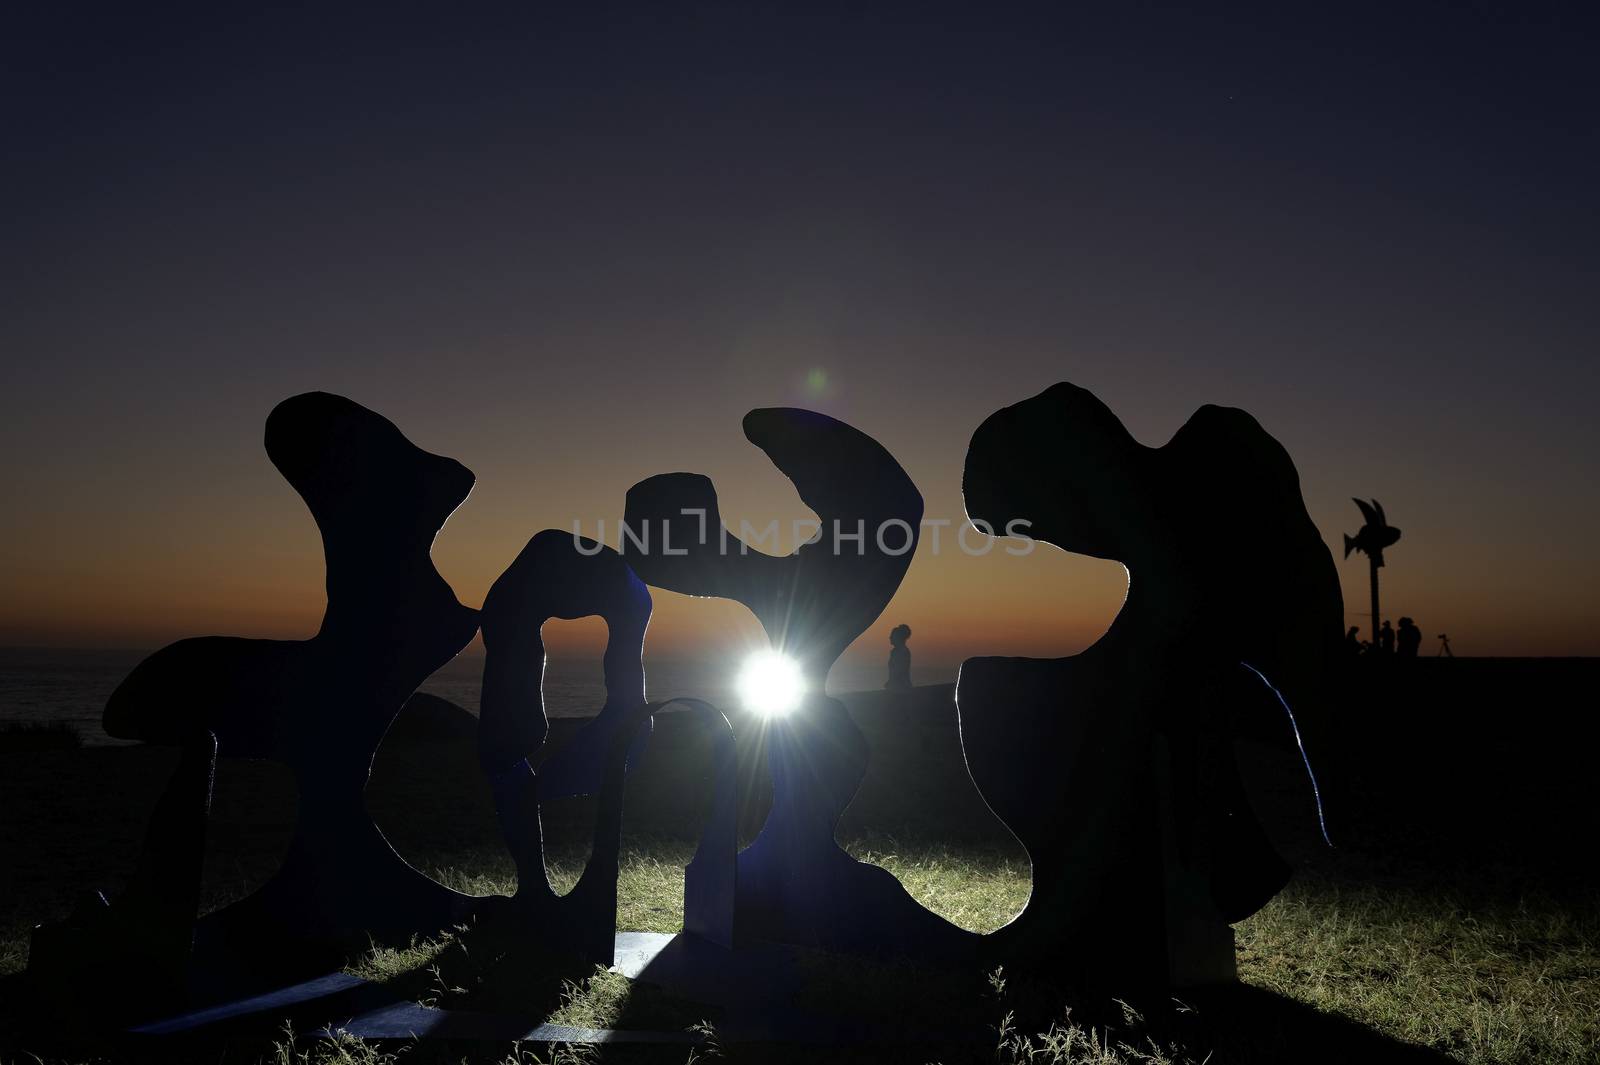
<point x="558" y="575"/>
<point x="795" y="883"/>
<point x="553" y="578"/>
<point x="320" y="705"/>
<point x="1115" y="767"/>
<point x="1374" y="535"/>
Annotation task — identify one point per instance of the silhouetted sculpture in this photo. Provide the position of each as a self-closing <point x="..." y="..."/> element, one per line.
<point x="1408" y="639"/>
<point x="812" y="603"/>
<point x="1375" y="534"/>
<point x="1386" y="639"/>
<point x="899" y="659"/>
<point x="320" y="705"/>
<point x="710" y="880"/>
<point x="795" y="883"/>
<point x="132" y="957"/>
<point x="1115" y="767"/>
<point x="558" y="575"/>
<point x="553" y="578"/>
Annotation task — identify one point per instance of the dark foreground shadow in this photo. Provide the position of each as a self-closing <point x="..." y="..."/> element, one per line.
<point x="1240" y="1024"/>
<point x="1248" y="1024"/>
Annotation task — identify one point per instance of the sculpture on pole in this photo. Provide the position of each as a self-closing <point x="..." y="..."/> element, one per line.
<point x="1375" y="534"/>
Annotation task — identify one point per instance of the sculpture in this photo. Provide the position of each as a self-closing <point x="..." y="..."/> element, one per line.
<point x="555" y="576"/>
<point x="1114" y="767"/>
<point x="1374" y="535"/>
<point x="795" y="883"/>
<point x="551" y="578"/>
<point x="320" y="705"/>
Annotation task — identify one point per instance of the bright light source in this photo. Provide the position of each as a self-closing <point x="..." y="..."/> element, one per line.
<point x="770" y="684"/>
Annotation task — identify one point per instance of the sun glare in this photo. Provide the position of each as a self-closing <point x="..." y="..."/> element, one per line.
<point x="770" y="684"/>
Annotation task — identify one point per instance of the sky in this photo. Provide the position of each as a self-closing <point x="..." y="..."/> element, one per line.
<point x="572" y="245"/>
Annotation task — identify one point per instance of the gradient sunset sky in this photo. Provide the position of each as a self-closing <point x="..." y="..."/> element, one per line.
<point x="572" y="246"/>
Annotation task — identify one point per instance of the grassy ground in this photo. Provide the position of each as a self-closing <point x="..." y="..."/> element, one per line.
<point x="1483" y="975"/>
<point x="1459" y="920"/>
<point x="1488" y="975"/>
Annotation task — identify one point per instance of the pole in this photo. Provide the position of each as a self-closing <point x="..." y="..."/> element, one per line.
<point x="1375" y="619"/>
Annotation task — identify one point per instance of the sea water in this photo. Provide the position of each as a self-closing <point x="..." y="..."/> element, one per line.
<point x="72" y="685"/>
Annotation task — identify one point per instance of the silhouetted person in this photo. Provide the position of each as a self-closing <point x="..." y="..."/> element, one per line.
<point x="1407" y="639"/>
<point x="899" y="659"/>
<point x="1386" y="639"/>
<point x="1352" y="642"/>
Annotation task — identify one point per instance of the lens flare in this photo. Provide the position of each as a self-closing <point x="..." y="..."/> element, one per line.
<point x="770" y="684"/>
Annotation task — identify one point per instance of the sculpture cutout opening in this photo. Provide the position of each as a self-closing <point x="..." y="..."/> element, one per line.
<point x="770" y="684"/>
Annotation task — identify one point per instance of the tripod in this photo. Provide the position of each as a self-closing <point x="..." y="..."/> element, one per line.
<point x="1444" y="648"/>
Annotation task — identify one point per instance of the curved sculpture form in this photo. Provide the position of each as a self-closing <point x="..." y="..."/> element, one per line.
<point x="1374" y="535"/>
<point x="320" y="705"/>
<point x="710" y="880"/>
<point x="1115" y="767"/>
<point x="812" y="603"/>
<point x="795" y="884"/>
<point x="553" y="578"/>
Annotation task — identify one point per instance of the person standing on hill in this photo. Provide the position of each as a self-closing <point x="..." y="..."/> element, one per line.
<point x="899" y="659"/>
<point x="1386" y="639"/>
<point x="1408" y="639"/>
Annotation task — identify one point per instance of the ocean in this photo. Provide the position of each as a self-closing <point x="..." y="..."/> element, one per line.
<point x="72" y="685"/>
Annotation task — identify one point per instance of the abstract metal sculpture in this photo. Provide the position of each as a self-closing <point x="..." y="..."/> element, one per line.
<point x="553" y="578"/>
<point x="795" y="883"/>
<point x="558" y="576"/>
<point x="1114" y="767"/>
<point x="1375" y="534"/>
<point x="321" y="706"/>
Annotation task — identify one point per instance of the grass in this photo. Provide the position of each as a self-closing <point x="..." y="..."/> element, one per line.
<point x="1477" y="976"/>
<point x="1459" y="921"/>
<point x="1483" y="968"/>
<point x="1486" y="979"/>
<point x="1481" y="976"/>
<point x="39" y="736"/>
